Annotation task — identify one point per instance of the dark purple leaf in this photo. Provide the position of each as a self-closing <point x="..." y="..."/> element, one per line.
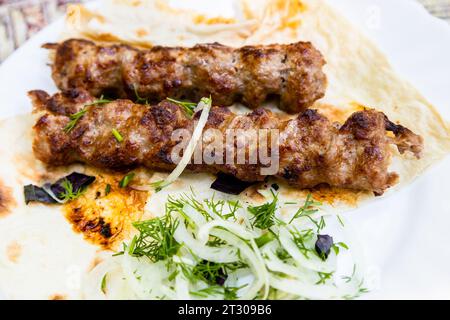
<point x="33" y="193"/>
<point x="229" y="184"/>
<point x="38" y="194"/>
<point x="323" y="246"/>
<point x="77" y="180"/>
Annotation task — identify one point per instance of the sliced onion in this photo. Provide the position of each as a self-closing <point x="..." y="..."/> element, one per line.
<point x="303" y="290"/>
<point x="275" y="264"/>
<point x="205" y="230"/>
<point x="296" y="277"/>
<point x="205" y="106"/>
<point x="253" y="258"/>
<point x="182" y="287"/>
<point x="313" y="262"/>
<point x="225" y="254"/>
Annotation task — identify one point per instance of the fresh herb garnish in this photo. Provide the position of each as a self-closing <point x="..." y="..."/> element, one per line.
<point x="350" y="278"/>
<point x="282" y="254"/>
<point x="361" y="288"/>
<point x="126" y="180"/>
<point x="107" y="189"/>
<point x="324" y="277"/>
<point x="75" y="117"/>
<point x="264" y="215"/>
<point x="65" y="189"/>
<point x="229" y="293"/>
<point x="139" y="99"/>
<point x="103" y="284"/>
<point x="158" y="185"/>
<point x="156" y="239"/>
<point x="186" y="105"/>
<point x="69" y="192"/>
<point x="307" y="209"/>
<point x="102" y="100"/>
<point x="301" y="240"/>
<point x="117" y="135"/>
<point x="214" y="273"/>
<point x="341" y="222"/>
<point x="202" y="264"/>
<point x="265" y="238"/>
<point x="215" y="242"/>
<point x="338" y="245"/>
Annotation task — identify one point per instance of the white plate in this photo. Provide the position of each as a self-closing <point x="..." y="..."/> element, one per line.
<point x="406" y="234"/>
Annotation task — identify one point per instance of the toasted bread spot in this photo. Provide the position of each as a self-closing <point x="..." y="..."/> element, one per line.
<point x="7" y="202"/>
<point x="330" y="195"/>
<point x="141" y="32"/>
<point x="13" y="251"/>
<point x="57" y="296"/>
<point x="201" y="19"/>
<point x="339" y="113"/>
<point x="105" y="219"/>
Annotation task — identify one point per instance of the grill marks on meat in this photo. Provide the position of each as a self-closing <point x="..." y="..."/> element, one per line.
<point x="291" y="73"/>
<point x="312" y="149"/>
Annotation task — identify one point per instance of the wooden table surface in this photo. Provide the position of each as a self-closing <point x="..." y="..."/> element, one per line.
<point x="20" y="19"/>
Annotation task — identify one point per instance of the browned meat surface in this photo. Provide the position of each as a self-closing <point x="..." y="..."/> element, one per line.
<point x="250" y="75"/>
<point x="312" y="150"/>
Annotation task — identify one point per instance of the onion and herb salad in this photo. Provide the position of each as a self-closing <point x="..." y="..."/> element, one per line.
<point x="225" y="249"/>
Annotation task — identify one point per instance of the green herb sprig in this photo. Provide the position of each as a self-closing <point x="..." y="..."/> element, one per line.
<point x="139" y="99"/>
<point x="156" y="239"/>
<point x="264" y="215"/>
<point x="126" y="180"/>
<point x="186" y="105"/>
<point x="69" y="193"/>
<point x="75" y="117"/>
<point x="307" y="209"/>
<point x="117" y="135"/>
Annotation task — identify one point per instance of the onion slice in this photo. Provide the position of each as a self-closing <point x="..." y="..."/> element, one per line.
<point x="205" y="106"/>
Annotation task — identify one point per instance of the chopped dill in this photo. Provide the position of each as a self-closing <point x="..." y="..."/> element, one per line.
<point x="264" y="215"/>
<point x="126" y="180"/>
<point x="158" y="185"/>
<point x="102" y="100"/>
<point x="139" y="99"/>
<point x="156" y="239"/>
<point x="75" y="117"/>
<point x="186" y="105"/>
<point x="69" y="193"/>
<point x="336" y="247"/>
<point x="107" y="189"/>
<point x="301" y="239"/>
<point x="265" y="238"/>
<point x="117" y="135"/>
<point x="103" y="284"/>
<point x="307" y="209"/>
<point x="324" y="277"/>
<point x="340" y="220"/>
<point x="229" y="293"/>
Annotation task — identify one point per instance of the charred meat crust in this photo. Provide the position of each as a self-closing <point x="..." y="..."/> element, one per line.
<point x="312" y="150"/>
<point x="293" y="73"/>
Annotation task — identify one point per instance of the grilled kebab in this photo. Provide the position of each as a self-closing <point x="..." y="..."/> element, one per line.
<point x="312" y="149"/>
<point x="291" y="74"/>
